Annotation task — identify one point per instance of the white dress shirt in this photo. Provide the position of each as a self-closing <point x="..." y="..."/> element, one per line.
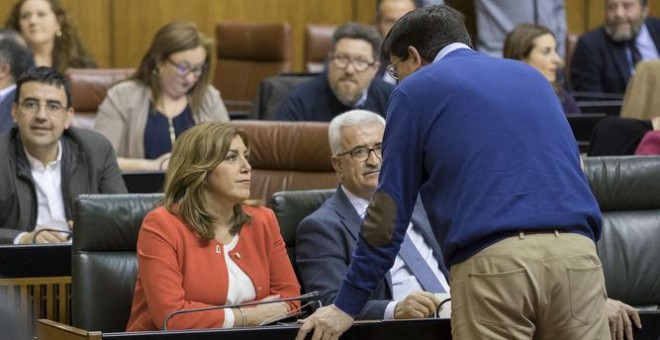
<point x="241" y="288"/>
<point x="403" y="280"/>
<point x="48" y="186"/>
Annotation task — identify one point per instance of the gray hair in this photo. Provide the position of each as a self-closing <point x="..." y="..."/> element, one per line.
<point x="349" y="118"/>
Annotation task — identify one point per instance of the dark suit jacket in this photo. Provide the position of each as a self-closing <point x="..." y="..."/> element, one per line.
<point x="89" y="166"/>
<point x="325" y="241"/>
<point x="314" y="100"/>
<point x="6" y="123"/>
<point x="600" y="65"/>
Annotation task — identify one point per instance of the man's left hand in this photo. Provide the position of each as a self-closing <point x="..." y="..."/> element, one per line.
<point x="619" y="315"/>
<point x="328" y="323"/>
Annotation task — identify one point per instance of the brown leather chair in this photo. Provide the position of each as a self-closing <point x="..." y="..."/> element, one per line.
<point x="88" y="89"/>
<point x="288" y="156"/>
<point x="246" y="54"/>
<point x="318" y="39"/>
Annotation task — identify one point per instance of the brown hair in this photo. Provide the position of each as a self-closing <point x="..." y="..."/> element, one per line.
<point x="519" y="43"/>
<point x="196" y="153"/>
<point x="172" y="38"/>
<point x="68" y="50"/>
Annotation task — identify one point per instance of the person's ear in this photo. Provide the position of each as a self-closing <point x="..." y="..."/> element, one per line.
<point x="336" y="164"/>
<point x="69" y="117"/>
<point x="415" y="58"/>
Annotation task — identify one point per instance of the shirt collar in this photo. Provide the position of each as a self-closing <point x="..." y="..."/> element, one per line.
<point x="36" y="164"/>
<point x="359" y="204"/>
<point x="448" y="49"/>
<point x="4" y="92"/>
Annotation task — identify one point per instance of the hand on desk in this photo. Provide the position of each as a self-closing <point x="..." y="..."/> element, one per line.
<point x="45" y="236"/>
<point x="619" y="315"/>
<point x="416" y="305"/>
<point x="328" y="323"/>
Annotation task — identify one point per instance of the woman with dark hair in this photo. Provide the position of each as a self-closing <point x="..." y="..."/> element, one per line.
<point x="536" y="45"/>
<point x="169" y="93"/>
<point x="53" y="39"/>
<point x="205" y="247"/>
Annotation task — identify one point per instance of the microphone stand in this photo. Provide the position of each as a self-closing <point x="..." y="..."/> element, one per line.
<point x="304" y="297"/>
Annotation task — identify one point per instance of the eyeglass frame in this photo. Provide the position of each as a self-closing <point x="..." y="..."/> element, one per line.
<point x="391" y="69"/>
<point x="379" y="155"/>
<point x="50" y="111"/>
<point x="185" y="70"/>
<point x="350" y="61"/>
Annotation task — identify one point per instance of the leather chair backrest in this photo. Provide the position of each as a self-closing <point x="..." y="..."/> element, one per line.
<point x="318" y="40"/>
<point x="290" y="208"/>
<point x="272" y="91"/>
<point x="246" y="54"/>
<point x="628" y="192"/>
<point x="288" y="156"/>
<point x="104" y="262"/>
<point x="88" y="89"/>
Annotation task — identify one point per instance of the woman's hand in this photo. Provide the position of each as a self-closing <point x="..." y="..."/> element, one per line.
<point x="258" y="314"/>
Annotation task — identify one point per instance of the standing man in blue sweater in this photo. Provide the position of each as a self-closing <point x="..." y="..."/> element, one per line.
<point x="485" y="143"/>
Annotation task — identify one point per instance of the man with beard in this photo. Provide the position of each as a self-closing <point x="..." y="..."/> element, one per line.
<point x="605" y="58"/>
<point x="348" y="82"/>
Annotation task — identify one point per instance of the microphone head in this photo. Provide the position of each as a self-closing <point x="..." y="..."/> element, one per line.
<point x="310" y="296"/>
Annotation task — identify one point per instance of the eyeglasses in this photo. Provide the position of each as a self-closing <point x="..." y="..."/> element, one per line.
<point x="361" y="153"/>
<point x="342" y="62"/>
<point x="33" y="106"/>
<point x="391" y="70"/>
<point x="183" y="69"/>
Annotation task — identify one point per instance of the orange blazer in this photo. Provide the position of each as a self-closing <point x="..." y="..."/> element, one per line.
<point x="177" y="270"/>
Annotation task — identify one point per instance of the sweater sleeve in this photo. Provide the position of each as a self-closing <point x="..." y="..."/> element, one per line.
<point x="391" y="208"/>
<point x="162" y="278"/>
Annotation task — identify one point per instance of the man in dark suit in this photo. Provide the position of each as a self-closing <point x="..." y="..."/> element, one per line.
<point x="326" y="239"/>
<point x="15" y="58"/>
<point x="604" y="59"/>
<point x="348" y="83"/>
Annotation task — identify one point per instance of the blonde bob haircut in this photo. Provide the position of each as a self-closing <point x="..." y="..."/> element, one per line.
<point x="194" y="155"/>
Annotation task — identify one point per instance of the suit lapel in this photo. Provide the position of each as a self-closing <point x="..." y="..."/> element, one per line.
<point x="352" y="222"/>
<point x="621" y="60"/>
<point x="347" y="214"/>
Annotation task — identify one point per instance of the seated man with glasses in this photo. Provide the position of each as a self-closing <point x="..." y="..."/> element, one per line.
<point x="349" y="81"/>
<point x="47" y="164"/>
<point x="326" y="239"/>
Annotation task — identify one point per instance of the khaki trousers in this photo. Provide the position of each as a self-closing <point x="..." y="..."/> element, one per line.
<point x="531" y="286"/>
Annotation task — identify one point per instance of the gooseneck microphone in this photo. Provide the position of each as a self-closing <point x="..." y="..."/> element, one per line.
<point x="311" y="296"/>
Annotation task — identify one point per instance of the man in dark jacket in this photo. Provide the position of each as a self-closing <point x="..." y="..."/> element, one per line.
<point x="348" y="82"/>
<point x="604" y="59"/>
<point x="47" y="164"/>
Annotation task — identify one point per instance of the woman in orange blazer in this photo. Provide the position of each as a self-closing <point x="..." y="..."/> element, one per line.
<point x="203" y="247"/>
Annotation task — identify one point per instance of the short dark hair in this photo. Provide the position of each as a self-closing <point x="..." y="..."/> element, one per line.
<point x="17" y="56"/>
<point x="44" y="75"/>
<point x="354" y="30"/>
<point x="429" y="29"/>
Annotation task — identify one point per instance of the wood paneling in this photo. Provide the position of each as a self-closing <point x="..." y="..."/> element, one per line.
<point x="93" y="20"/>
<point x="117" y="32"/>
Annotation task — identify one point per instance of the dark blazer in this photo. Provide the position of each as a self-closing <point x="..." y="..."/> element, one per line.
<point x="600" y="64"/>
<point x="6" y="123"/>
<point x="89" y="166"/>
<point x="314" y="100"/>
<point x="325" y="241"/>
